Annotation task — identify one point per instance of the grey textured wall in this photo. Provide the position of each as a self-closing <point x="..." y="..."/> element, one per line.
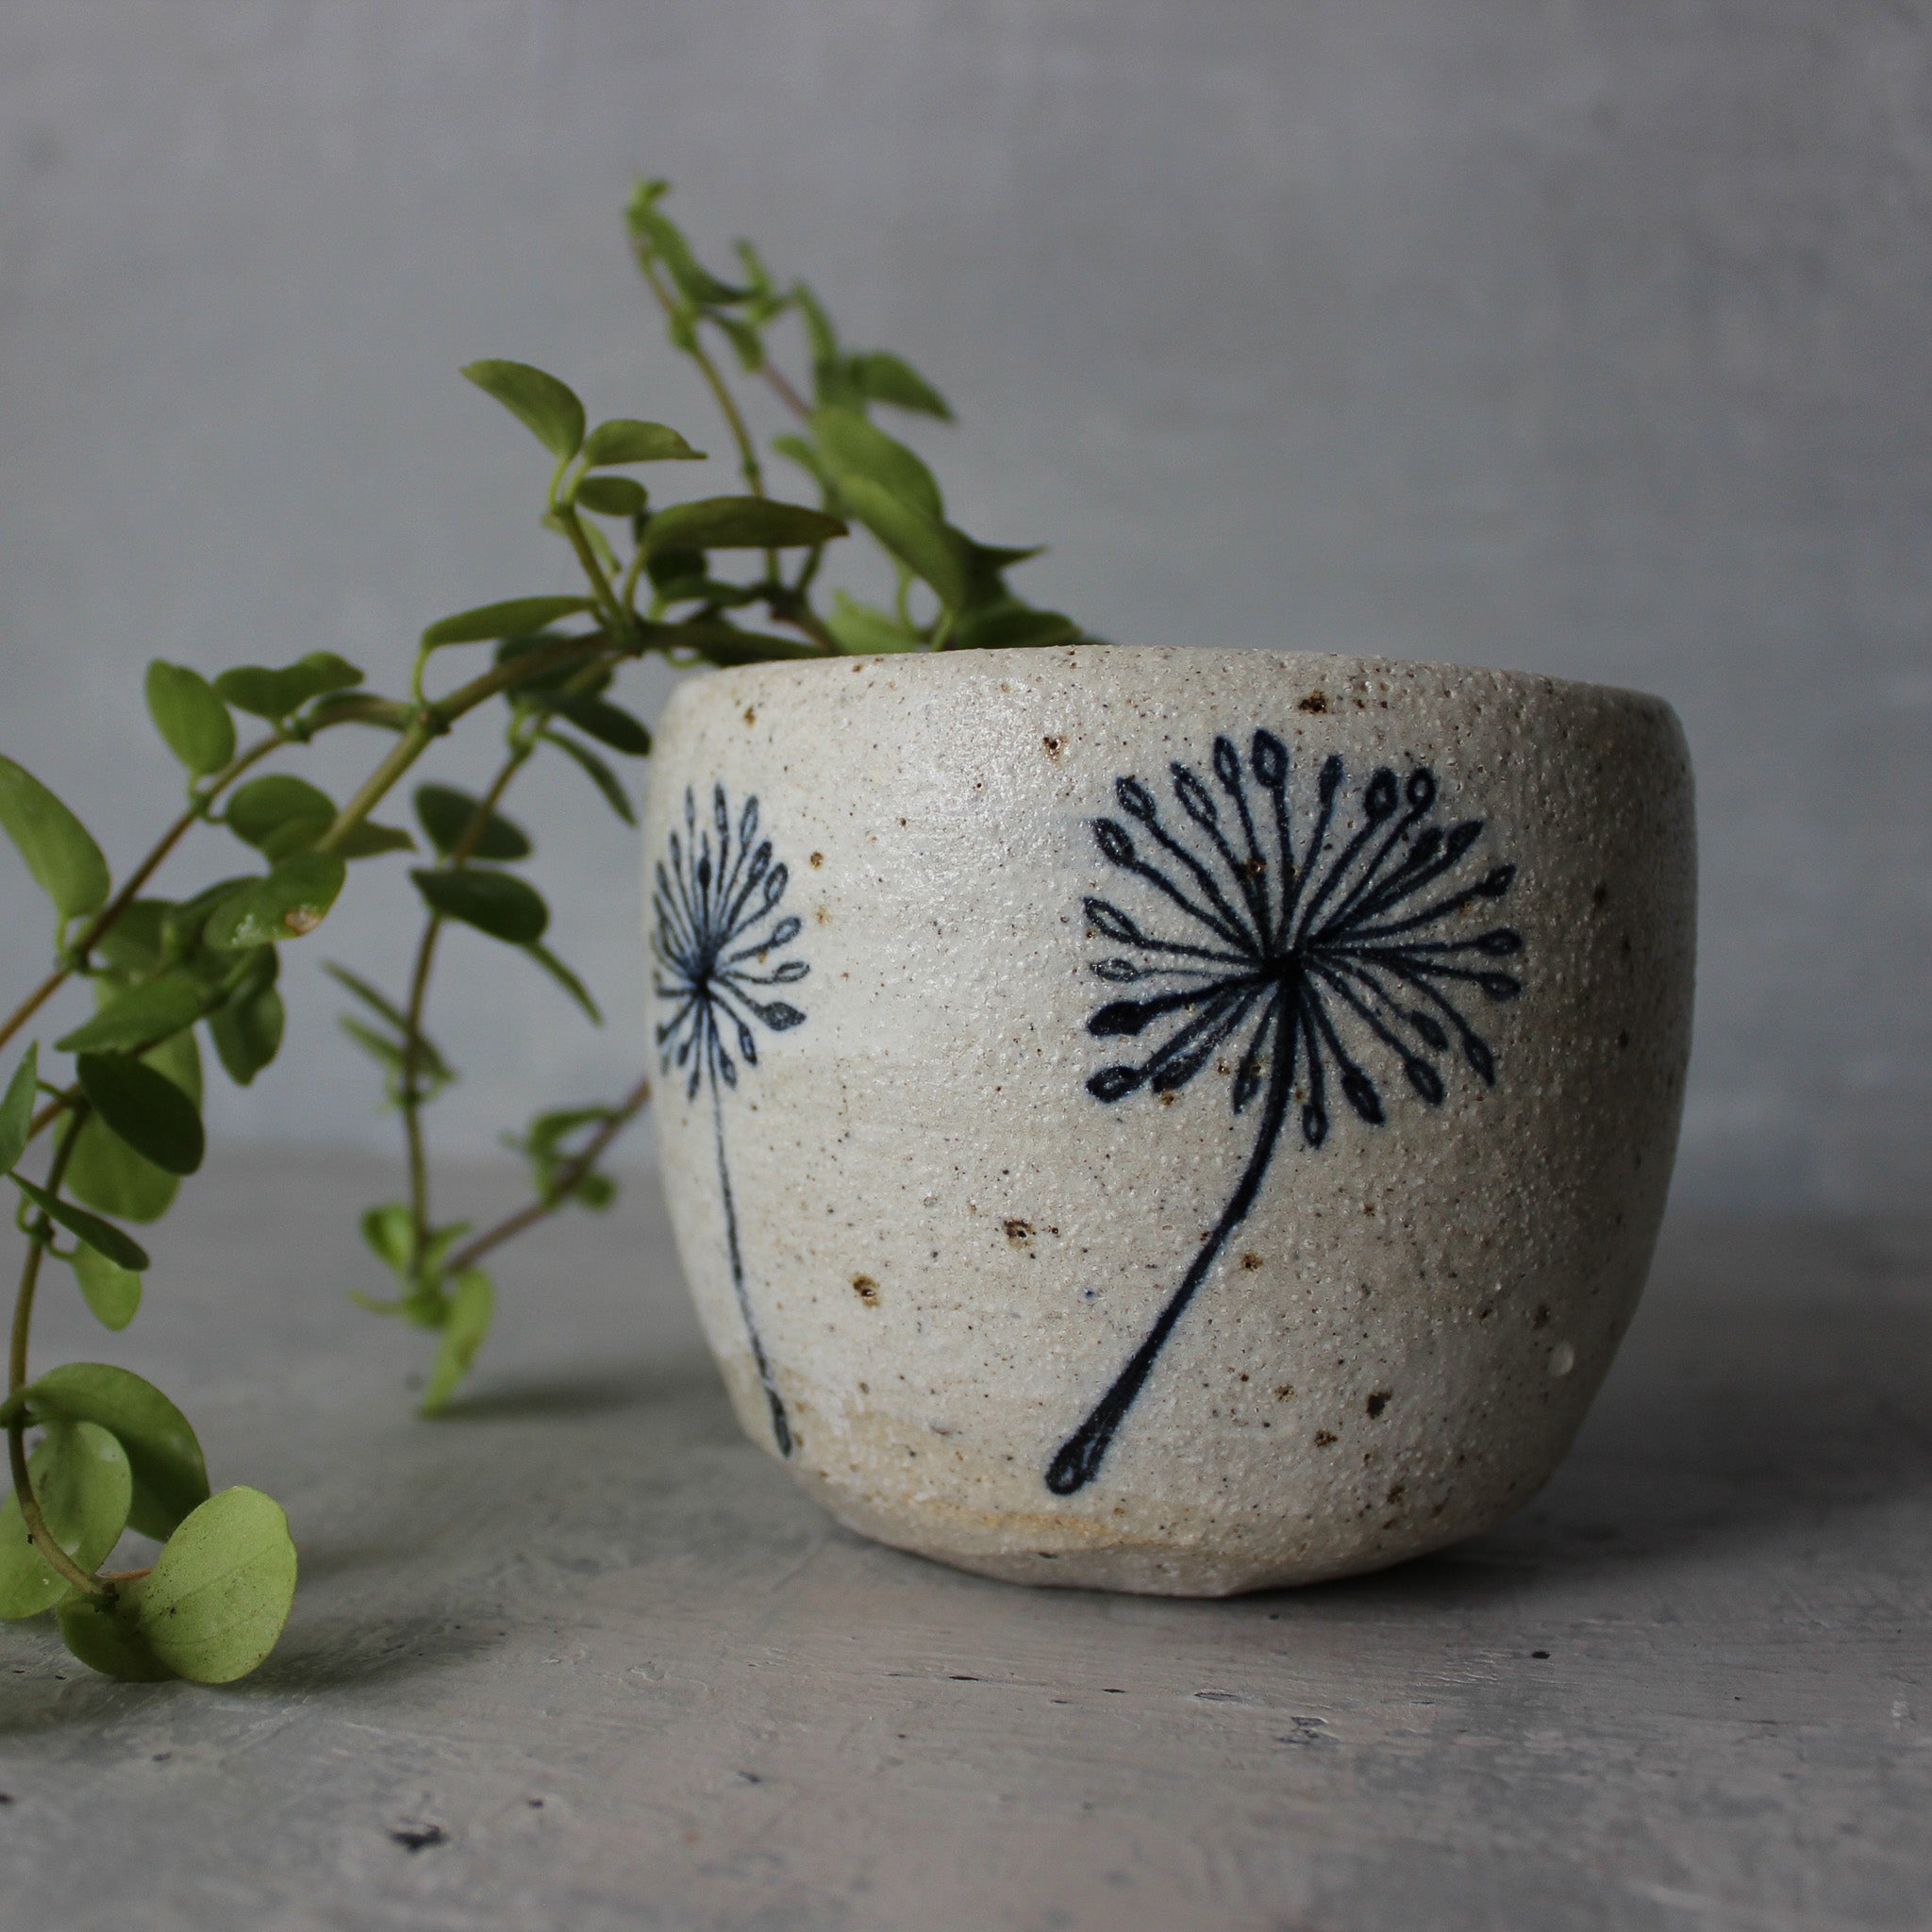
<point x="1585" y="337"/>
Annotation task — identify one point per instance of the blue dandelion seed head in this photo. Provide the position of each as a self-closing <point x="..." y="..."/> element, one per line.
<point x="716" y="935"/>
<point x="1335" y="945"/>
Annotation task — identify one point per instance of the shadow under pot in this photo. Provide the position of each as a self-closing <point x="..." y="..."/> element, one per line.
<point x="1166" y="1120"/>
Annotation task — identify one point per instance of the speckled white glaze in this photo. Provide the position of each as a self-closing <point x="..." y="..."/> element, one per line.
<point x="950" y="1246"/>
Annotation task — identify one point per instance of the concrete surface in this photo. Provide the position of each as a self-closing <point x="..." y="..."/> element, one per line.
<point x="1577" y="336"/>
<point x="579" y="1656"/>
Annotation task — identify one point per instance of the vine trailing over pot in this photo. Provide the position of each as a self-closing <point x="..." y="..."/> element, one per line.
<point x="94" y="1450"/>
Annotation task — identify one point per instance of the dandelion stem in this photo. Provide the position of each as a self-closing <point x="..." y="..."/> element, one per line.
<point x="1080" y="1455"/>
<point x="781" y="1427"/>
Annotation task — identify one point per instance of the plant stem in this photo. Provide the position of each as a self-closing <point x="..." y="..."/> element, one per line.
<point x="629" y="594"/>
<point x="51" y="1112"/>
<point x="377" y="786"/>
<point x="789" y="606"/>
<point x="780" y="386"/>
<point x="412" y="1096"/>
<point x="614" y="612"/>
<point x="109" y="916"/>
<point x="37" y="1238"/>
<point x="808" y="570"/>
<point x="693" y="346"/>
<point x="435" y="719"/>
<point x="715" y="379"/>
<point x="560" y="1190"/>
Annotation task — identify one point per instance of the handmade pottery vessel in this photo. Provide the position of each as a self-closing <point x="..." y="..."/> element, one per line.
<point x="1167" y="1120"/>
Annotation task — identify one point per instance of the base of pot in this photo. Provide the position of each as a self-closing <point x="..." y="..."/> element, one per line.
<point x="1065" y="1552"/>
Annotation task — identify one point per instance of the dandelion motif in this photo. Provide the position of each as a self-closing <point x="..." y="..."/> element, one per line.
<point x="1334" y="963"/>
<point x="713" y="947"/>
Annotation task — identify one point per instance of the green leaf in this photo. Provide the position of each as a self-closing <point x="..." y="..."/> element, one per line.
<point x="247" y="1033"/>
<point x="370" y="841"/>
<point x="362" y="707"/>
<point x="430" y="1060"/>
<point x="606" y="722"/>
<point x="509" y="619"/>
<point x="737" y="522"/>
<point x="81" y="1480"/>
<point x="854" y="447"/>
<point x="107" y="1173"/>
<point x="1012" y="626"/>
<point x="599" y="544"/>
<point x="263" y="808"/>
<point x="764" y="301"/>
<point x="444" y="814"/>
<point x="169" y="1477"/>
<point x="611" y="496"/>
<point x="598" y="772"/>
<point x="931" y="550"/>
<point x="102" y="1236"/>
<point x="819" y="333"/>
<point x="712" y="591"/>
<point x="654" y="230"/>
<point x="495" y="902"/>
<point x="274" y="694"/>
<point x="989" y="559"/>
<point x="807" y="456"/>
<point x="669" y="568"/>
<point x="548" y="408"/>
<point x="624" y="439"/>
<point x="136" y="941"/>
<point x="110" y="1290"/>
<point x="542" y="1146"/>
<point x="572" y="667"/>
<point x="248" y="1024"/>
<point x="375" y="1001"/>
<point x="214" y="1604"/>
<point x="148" y="1012"/>
<point x="17" y="1109"/>
<point x="104" y="1633"/>
<point x="864" y="631"/>
<point x="432" y="1071"/>
<point x="385" y="1052"/>
<point x="745" y="342"/>
<point x="292" y="901"/>
<point x="183" y="926"/>
<point x="193" y="721"/>
<point x="473" y="1304"/>
<point x="65" y="861"/>
<point x="565" y="978"/>
<point x="391" y="1234"/>
<point x="436" y="1248"/>
<point x="883" y="377"/>
<point x="144" y="1108"/>
<point x="545" y="1135"/>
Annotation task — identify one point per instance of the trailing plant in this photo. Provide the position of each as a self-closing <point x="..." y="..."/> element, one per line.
<point x="108" y="1115"/>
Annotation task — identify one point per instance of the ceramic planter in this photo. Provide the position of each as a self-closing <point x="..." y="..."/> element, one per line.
<point x="1167" y="1120"/>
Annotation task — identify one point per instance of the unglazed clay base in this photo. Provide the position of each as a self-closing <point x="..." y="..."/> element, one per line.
<point x="1167" y="1120"/>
